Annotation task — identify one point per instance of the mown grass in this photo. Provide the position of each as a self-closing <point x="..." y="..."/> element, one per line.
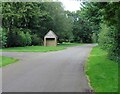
<point x="6" y="60"/>
<point x="65" y="44"/>
<point x="40" y="48"/>
<point x="102" y="72"/>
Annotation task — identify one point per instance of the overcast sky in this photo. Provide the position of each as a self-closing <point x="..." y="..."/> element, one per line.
<point x="71" y="5"/>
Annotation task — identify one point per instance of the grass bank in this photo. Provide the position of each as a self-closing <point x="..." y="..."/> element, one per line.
<point x="6" y="60"/>
<point x="40" y="48"/>
<point x="102" y="72"/>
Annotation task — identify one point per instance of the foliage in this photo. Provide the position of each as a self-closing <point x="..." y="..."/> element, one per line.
<point x="87" y="22"/>
<point x="111" y="15"/>
<point x="19" y="37"/>
<point x="38" y="17"/>
<point x="82" y="30"/>
<point x="107" y="13"/>
<point x="59" y="22"/>
<point x="36" y="40"/>
<point x="3" y="38"/>
<point x="94" y="38"/>
<point x="103" y="73"/>
<point x="26" y="23"/>
<point x="93" y="14"/>
<point x="106" y="37"/>
<point x="28" y="38"/>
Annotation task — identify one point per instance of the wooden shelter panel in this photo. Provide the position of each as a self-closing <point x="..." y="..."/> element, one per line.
<point x="50" y="42"/>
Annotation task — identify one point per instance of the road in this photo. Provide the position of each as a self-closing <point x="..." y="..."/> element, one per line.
<point x="58" y="71"/>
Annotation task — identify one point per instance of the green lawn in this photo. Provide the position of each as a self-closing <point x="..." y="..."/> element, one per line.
<point x="40" y="48"/>
<point x="69" y="44"/>
<point x="102" y="72"/>
<point x="6" y="60"/>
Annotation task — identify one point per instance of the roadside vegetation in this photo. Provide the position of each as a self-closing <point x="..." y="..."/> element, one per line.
<point x="102" y="72"/>
<point x="26" y="24"/>
<point x="102" y="66"/>
<point x="6" y="60"/>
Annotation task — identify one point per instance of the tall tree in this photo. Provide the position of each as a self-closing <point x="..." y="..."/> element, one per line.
<point x="37" y="18"/>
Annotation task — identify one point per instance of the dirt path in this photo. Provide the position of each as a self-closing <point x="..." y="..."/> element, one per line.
<point x="60" y="71"/>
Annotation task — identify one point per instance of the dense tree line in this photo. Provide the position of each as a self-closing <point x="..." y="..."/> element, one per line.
<point x="104" y="18"/>
<point x="111" y="15"/>
<point x="26" y="23"/>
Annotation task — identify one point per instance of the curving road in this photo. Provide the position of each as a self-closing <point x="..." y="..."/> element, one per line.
<point x="59" y="71"/>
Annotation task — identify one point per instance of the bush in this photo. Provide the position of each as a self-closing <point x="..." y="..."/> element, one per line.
<point x="106" y="37"/>
<point x="94" y="38"/>
<point x="3" y="38"/>
<point x="21" y="37"/>
<point x="28" y="38"/>
<point x="36" y="40"/>
<point x="12" y="37"/>
<point x="17" y="37"/>
<point x="107" y="41"/>
<point x="22" y="40"/>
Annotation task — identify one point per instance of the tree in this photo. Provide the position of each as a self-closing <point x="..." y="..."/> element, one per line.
<point x="38" y="17"/>
<point x="82" y="29"/>
<point x="111" y="15"/>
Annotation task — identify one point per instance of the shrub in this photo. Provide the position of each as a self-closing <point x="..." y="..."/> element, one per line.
<point x="36" y="40"/>
<point x="28" y="38"/>
<point x="12" y="37"/>
<point x="94" y="38"/>
<point x="22" y="40"/>
<point x="107" y="41"/>
<point x="3" y="38"/>
<point x="16" y="37"/>
<point x="106" y="37"/>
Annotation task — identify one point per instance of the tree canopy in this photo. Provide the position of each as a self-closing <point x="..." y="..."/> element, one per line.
<point x="35" y="18"/>
<point x="26" y="23"/>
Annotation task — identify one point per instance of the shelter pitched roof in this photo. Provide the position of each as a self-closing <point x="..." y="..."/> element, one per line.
<point x="50" y="34"/>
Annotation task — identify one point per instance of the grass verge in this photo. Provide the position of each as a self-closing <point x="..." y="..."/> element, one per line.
<point x="6" y="60"/>
<point x="40" y="48"/>
<point x="102" y="72"/>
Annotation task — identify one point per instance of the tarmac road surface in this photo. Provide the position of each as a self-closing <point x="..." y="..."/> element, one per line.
<point x="58" y="71"/>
